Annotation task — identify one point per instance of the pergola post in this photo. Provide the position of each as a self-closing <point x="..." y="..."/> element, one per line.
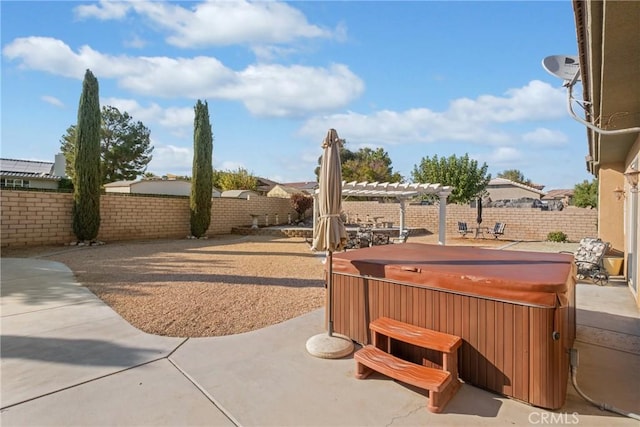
<point x="442" y="218"/>
<point x="402" y="211"/>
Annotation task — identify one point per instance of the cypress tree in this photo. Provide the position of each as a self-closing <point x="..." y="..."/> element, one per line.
<point x="86" y="195"/>
<point x="202" y="174"/>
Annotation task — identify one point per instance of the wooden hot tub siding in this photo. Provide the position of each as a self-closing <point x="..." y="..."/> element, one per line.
<point x="507" y="347"/>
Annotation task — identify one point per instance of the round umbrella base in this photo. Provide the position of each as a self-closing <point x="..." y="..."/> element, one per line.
<point x="329" y="347"/>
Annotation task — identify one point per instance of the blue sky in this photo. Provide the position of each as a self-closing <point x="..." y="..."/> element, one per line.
<point x="418" y="79"/>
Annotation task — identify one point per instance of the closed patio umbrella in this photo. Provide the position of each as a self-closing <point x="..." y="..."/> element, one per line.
<point x="330" y="235"/>
<point x="479" y="216"/>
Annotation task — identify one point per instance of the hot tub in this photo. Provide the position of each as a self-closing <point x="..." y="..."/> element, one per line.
<point x="514" y="310"/>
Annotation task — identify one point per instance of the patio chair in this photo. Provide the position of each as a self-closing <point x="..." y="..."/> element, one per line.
<point x="498" y="229"/>
<point x="402" y="238"/>
<point x="463" y="229"/>
<point x="364" y="237"/>
<point x="380" y="239"/>
<point x="352" y="241"/>
<point x="589" y="259"/>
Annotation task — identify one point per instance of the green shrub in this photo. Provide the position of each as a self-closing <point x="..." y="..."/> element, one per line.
<point x="202" y="174"/>
<point x="557" y="236"/>
<point x="86" y="181"/>
<point x="301" y="203"/>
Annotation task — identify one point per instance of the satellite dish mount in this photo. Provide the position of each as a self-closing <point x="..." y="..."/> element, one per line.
<point x="567" y="68"/>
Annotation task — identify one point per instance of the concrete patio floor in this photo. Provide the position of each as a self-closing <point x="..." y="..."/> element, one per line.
<point x="68" y="359"/>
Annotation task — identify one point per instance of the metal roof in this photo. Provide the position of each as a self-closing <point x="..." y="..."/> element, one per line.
<point x="25" y="166"/>
<point x="27" y="169"/>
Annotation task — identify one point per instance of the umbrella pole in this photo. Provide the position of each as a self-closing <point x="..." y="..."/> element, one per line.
<point x="330" y="292"/>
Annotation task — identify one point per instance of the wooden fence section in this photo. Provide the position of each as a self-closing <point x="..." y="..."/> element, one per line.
<point x="37" y="218"/>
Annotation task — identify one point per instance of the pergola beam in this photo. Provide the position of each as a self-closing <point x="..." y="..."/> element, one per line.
<point x="402" y="192"/>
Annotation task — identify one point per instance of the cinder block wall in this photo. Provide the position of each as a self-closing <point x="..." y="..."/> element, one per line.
<point x="38" y="218"/>
<point x="35" y="218"/>
<point x="229" y="213"/>
<point x="522" y="224"/>
<point x="126" y="217"/>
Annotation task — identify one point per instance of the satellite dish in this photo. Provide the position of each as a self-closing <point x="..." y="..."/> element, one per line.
<point x="563" y="66"/>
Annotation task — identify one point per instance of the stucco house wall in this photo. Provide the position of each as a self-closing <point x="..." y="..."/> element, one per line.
<point x="283" y="192"/>
<point x="150" y="186"/>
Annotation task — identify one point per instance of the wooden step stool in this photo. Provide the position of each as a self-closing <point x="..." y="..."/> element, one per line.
<point x="441" y="383"/>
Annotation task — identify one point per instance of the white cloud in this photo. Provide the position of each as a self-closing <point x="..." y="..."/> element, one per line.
<point x="392" y="127"/>
<point x="172" y="159"/>
<point x="477" y="121"/>
<point x="535" y="101"/>
<point x="265" y="90"/>
<point x="229" y="165"/>
<point x="52" y="100"/>
<point x="271" y="52"/>
<point x="135" y="41"/>
<point x="546" y="137"/>
<point x="46" y="54"/>
<point x="171" y="117"/>
<point x="277" y="90"/>
<point x="177" y="117"/>
<point x="104" y="10"/>
<point x="215" y="23"/>
<point x="505" y="156"/>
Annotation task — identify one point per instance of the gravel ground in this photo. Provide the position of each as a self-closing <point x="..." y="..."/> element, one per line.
<point x="220" y="286"/>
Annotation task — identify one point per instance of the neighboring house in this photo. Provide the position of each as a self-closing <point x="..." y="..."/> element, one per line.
<point x="609" y="59"/>
<point x="264" y="185"/>
<point x="563" y="196"/>
<point x="32" y="174"/>
<point x="174" y="187"/>
<point x="284" y="192"/>
<point x="505" y="189"/>
<point x="239" y="194"/>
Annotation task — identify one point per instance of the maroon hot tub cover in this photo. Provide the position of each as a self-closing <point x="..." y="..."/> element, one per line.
<point x="536" y="278"/>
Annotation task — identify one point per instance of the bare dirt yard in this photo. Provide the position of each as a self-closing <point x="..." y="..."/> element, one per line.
<point x="199" y="288"/>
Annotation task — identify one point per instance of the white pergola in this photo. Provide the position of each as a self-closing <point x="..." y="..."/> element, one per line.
<point x="400" y="191"/>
